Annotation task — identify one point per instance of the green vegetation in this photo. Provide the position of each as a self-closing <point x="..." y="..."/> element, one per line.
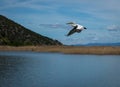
<point x="14" y="34"/>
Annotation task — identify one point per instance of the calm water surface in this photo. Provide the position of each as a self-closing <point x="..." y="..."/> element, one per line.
<point x="34" y="69"/>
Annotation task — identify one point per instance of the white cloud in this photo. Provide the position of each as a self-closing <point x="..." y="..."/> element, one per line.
<point x="31" y="4"/>
<point x="54" y="26"/>
<point x="113" y="27"/>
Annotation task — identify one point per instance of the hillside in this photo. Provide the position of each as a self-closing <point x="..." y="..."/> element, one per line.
<point x="14" y="34"/>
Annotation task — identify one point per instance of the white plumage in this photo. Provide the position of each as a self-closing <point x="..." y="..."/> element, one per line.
<point x="76" y="28"/>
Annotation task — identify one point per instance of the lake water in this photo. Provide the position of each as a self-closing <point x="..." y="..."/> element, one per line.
<point x="34" y="69"/>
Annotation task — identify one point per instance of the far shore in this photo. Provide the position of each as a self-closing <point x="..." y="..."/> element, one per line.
<point x="96" y="50"/>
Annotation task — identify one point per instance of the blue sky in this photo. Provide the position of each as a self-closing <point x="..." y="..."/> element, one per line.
<point x="49" y="18"/>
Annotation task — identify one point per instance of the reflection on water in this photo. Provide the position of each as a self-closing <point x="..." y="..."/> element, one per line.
<point x="32" y="69"/>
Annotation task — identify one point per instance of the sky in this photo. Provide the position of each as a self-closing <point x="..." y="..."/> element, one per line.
<point x="49" y="18"/>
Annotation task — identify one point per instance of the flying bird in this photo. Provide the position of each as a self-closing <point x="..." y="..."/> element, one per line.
<point x="76" y="28"/>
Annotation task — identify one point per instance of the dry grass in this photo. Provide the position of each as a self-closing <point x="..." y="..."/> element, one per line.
<point x="100" y="50"/>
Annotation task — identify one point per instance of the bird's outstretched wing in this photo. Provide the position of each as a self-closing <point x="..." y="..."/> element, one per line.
<point x="72" y="31"/>
<point x="72" y="24"/>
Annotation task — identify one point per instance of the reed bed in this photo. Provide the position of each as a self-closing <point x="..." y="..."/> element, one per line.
<point x="98" y="50"/>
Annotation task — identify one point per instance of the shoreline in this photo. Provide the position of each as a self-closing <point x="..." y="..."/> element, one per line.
<point x="96" y="50"/>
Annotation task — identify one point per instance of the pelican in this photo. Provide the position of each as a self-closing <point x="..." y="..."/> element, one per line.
<point x="76" y="28"/>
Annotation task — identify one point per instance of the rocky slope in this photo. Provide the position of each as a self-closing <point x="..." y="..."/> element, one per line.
<point x="14" y="34"/>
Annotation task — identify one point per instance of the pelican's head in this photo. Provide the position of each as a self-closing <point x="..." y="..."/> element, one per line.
<point x="85" y="28"/>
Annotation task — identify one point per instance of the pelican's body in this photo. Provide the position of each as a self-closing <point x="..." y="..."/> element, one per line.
<point x="76" y="28"/>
